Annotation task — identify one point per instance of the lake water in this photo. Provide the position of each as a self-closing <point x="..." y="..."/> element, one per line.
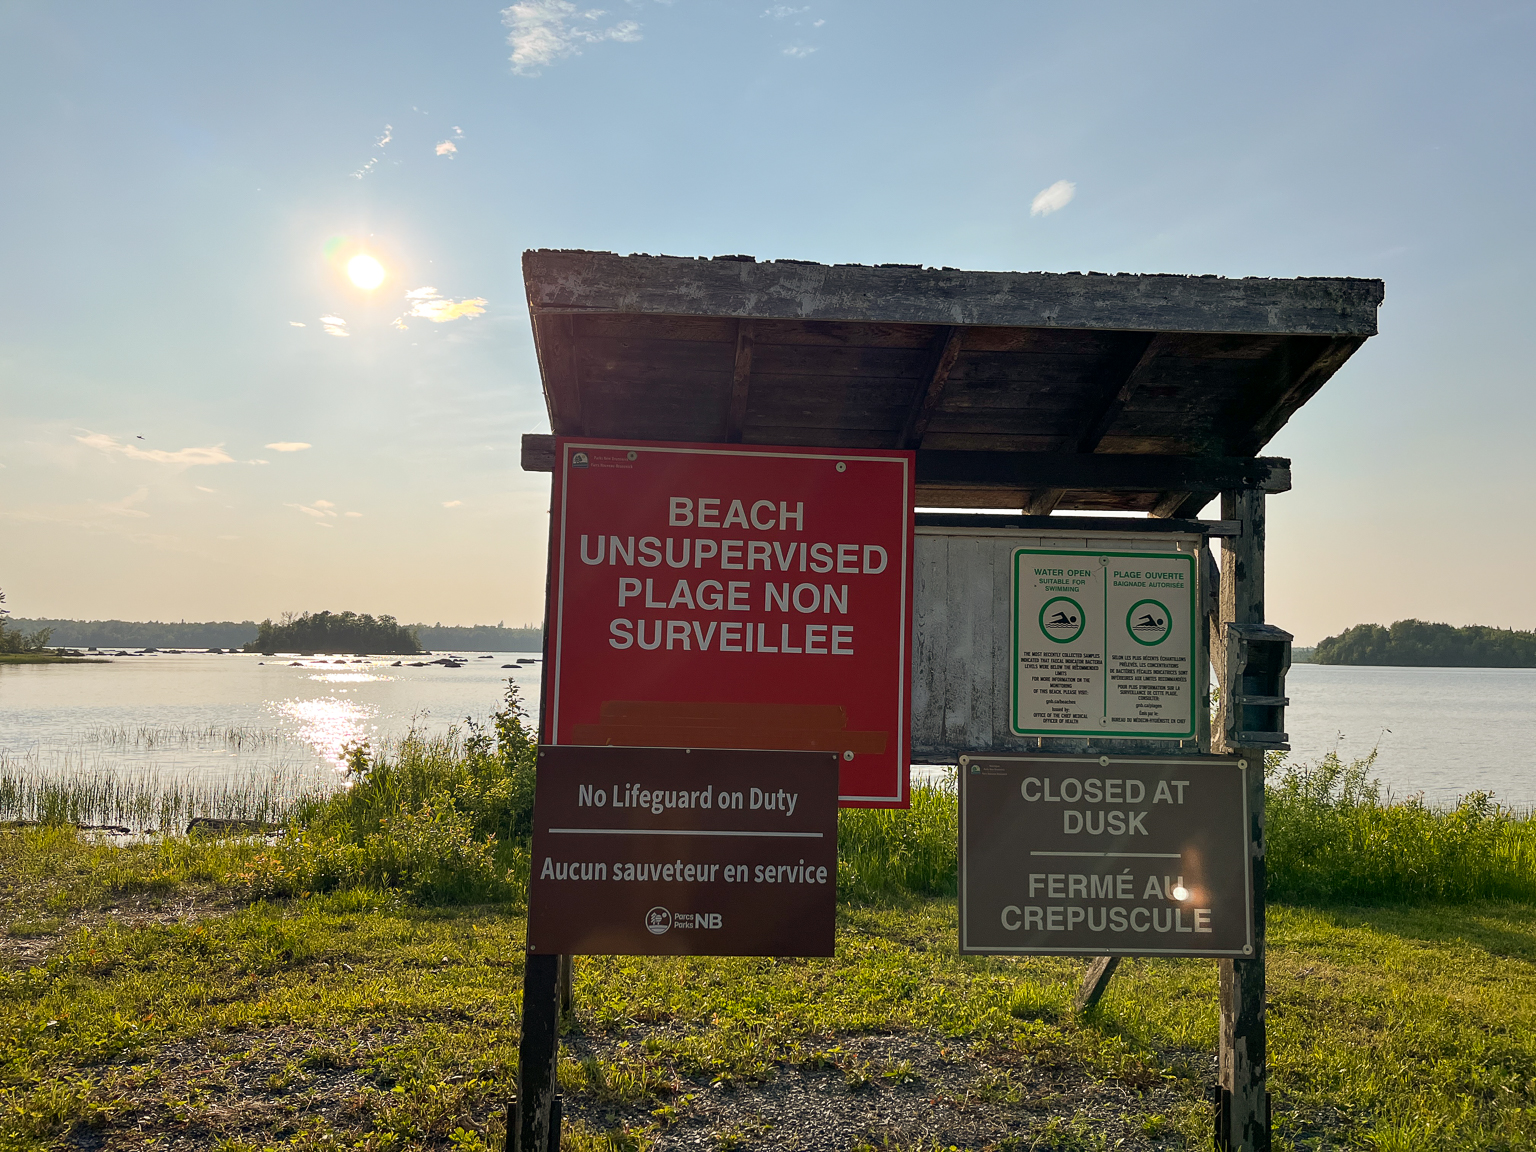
<point x="1439" y="731"/>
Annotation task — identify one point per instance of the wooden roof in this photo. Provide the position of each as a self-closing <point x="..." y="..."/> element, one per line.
<point x="1003" y="381"/>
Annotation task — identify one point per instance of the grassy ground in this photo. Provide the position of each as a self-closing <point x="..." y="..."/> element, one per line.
<point x="147" y="1003"/>
<point x="355" y="984"/>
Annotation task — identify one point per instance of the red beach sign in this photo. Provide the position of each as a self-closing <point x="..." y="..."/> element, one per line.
<point x="734" y="597"/>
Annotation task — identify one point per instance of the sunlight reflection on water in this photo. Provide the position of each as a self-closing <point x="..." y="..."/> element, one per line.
<point x="348" y="678"/>
<point x="329" y="725"/>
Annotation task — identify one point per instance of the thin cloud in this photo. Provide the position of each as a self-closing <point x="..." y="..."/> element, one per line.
<point x="104" y="443"/>
<point x="428" y="304"/>
<point x="319" y="510"/>
<point x="447" y="149"/>
<point x="354" y="514"/>
<point x="200" y="488"/>
<point x="1053" y="199"/>
<point x="780" y="11"/>
<point x="297" y="324"/>
<point x="799" y="51"/>
<point x="124" y="507"/>
<point x="452" y="503"/>
<point x="543" y="31"/>
<point x="335" y="325"/>
<point x="384" y="138"/>
<point x="289" y="446"/>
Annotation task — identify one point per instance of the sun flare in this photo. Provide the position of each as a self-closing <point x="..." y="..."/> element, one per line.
<point x="366" y="272"/>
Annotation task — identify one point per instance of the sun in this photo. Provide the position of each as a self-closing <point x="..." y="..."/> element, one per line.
<point x="366" y="272"/>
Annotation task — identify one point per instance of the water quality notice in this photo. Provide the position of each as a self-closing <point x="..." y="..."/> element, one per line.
<point x="1104" y="643"/>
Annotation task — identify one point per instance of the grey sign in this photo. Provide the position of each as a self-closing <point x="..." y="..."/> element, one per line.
<point x="1105" y="855"/>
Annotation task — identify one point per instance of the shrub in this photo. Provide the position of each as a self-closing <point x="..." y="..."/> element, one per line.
<point x="443" y="819"/>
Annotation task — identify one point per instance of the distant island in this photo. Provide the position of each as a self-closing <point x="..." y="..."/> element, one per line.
<point x="84" y="634"/>
<point x="1418" y="644"/>
<point x="335" y="632"/>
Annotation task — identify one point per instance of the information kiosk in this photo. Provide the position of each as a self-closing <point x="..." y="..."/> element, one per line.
<point x="1064" y="662"/>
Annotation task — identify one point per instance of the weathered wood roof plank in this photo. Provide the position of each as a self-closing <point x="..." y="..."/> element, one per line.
<point x="1003" y="370"/>
<point x="574" y="281"/>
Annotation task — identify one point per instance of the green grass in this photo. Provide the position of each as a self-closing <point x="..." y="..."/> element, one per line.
<point x="356" y="983"/>
<point x="1389" y="1028"/>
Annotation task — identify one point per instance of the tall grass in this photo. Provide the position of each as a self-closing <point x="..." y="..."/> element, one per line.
<point x="447" y="819"/>
<point x="1333" y="838"/>
<point x="144" y="802"/>
<point x="884" y="853"/>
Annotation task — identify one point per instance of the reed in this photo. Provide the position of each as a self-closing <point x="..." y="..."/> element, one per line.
<point x="145" y="802"/>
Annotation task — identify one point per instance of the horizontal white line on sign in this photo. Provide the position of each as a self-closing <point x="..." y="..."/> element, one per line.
<point x="1119" y="855"/>
<point x="678" y="832"/>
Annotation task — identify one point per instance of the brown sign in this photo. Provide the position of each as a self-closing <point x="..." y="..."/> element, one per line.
<point x="1105" y="855"/>
<point x="683" y="852"/>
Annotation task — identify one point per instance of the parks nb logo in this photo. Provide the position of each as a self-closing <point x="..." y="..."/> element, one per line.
<point x="659" y="921"/>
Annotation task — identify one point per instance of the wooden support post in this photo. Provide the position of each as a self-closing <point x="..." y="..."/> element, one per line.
<point x="1095" y="981"/>
<point x="1243" y="1104"/>
<point x="567" y="979"/>
<point x="531" y="1127"/>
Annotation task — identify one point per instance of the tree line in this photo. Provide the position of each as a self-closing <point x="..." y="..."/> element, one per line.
<point x="237" y="634"/>
<point x="1419" y="644"/>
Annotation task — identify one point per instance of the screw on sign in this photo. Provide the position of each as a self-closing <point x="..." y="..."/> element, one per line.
<point x="759" y="598"/>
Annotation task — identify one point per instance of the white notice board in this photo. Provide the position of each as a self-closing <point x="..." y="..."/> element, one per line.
<point x="1103" y="644"/>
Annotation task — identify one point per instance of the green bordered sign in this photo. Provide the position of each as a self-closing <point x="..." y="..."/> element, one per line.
<point x="1103" y="644"/>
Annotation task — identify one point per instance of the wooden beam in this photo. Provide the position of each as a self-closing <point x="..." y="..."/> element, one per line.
<point x="556" y="343"/>
<point x="1043" y="501"/>
<point x="574" y="281"/>
<point x="741" y="378"/>
<point x="1169" y="503"/>
<point x="1032" y="471"/>
<point x="946" y="349"/>
<point x="1141" y="349"/>
<point x="1071" y="525"/>
<point x="538" y="452"/>
<point x="1095" y="981"/>
<point x="1243" y="1105"/>
<point x="1261" y="425"/>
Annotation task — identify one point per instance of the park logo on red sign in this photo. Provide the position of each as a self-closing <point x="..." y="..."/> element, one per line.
<point x="734" y="597"/>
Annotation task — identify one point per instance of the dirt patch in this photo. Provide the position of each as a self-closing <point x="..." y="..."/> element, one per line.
<point x="906" y="1091"/>
<point x="30" y="939"/>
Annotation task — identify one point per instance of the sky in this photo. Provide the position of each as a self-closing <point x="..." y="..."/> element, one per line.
<point x="202" y="416"/>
